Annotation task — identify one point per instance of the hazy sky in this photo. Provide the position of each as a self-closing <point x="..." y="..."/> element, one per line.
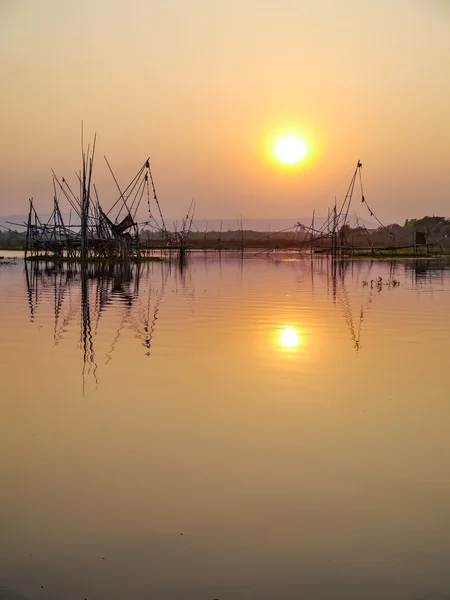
<point x="204" y="88"/>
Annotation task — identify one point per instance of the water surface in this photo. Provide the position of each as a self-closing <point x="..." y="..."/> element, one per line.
<point x="264" y="428"/>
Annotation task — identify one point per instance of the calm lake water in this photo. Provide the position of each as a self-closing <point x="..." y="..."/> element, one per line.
<point x="273" y="428"/>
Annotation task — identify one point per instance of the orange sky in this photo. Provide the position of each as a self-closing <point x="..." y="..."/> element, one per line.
<point x="203" y="87"/>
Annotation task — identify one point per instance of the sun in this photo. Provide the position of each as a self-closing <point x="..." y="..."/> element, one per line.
<point x="290" y="150"/>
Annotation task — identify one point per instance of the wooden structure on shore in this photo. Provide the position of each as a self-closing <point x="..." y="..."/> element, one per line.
<point x="94" y="232"/>
<point x="336" y="237"/>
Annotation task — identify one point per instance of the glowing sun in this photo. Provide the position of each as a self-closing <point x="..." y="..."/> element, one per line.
<point x="290" y="150"/>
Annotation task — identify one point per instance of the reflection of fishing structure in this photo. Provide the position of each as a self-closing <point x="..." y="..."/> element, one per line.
<point x="340" y="295"/>
<point x="374" y="286"/>
<point x="91" y="231"/>
<point x="354" y="311"/>
<point x="426" y="273"/>
<point x="89" y="290"/>
<point x="337" y="238"/>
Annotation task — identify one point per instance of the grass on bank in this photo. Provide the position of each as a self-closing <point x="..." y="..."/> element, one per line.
<point x="392" y="253"/>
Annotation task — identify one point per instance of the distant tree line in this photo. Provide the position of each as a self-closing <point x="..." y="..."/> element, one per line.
<point x="11" y="240"/>
<point x="436" y="226"/>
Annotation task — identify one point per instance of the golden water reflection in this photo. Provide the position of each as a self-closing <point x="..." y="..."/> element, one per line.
<point x="251" y="407"/>
<point x="289" y="338"/>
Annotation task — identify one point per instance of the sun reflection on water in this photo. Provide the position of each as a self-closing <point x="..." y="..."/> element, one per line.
<point x="289" y="338"/>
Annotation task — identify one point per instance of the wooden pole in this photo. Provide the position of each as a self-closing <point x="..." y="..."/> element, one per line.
<point x="334" y="229"/>
<point x="28" y="228"/>
<point x="88" y="165"/>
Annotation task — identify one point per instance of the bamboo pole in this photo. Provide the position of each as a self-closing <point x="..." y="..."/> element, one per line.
<point x="28" y="228"/>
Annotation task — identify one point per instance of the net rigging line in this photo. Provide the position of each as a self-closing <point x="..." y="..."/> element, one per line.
<point x="155" y="197"/>
<point x="131" y="185"/>
<point x="372" y="214"/>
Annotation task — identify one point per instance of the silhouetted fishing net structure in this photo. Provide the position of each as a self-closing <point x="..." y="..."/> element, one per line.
<point x="335" y="236"/>
<point x="94" y="231"/>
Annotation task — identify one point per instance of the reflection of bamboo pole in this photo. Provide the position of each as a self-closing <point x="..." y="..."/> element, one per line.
<point x="30" y="290"/>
